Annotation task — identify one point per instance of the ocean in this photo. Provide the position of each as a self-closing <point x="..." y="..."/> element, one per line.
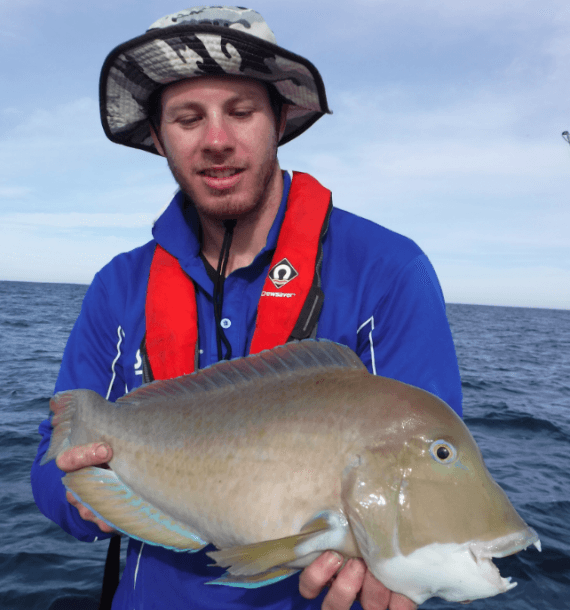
<point x="515" y="368"/>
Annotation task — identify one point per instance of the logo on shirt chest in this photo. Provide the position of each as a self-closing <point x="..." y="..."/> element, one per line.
<point x="282" y="273"/>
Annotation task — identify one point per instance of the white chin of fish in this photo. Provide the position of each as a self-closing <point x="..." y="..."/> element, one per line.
<point x="454" y="572"/>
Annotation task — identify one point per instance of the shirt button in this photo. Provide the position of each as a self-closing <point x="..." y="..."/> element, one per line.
<point x="225" y="323"/>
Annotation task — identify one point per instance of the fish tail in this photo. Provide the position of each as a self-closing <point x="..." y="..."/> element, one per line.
<point x="65" y="406"/>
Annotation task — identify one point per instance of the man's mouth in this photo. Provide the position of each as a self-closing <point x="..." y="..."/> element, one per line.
<point x="221" y="179"/>
<point x="222" y="172"/>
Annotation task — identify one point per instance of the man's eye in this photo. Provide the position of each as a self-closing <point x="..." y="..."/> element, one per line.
<point x="188" y="121"/>
<point x="244" y="113"/>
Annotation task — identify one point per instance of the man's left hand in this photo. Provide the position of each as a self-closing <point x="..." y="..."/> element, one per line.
<point x="353" y="581"/>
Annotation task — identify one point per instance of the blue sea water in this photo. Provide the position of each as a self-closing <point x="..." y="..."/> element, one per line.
<point x="515" y="368"/>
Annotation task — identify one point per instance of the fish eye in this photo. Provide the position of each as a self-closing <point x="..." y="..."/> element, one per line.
<point x="443" y="452"/>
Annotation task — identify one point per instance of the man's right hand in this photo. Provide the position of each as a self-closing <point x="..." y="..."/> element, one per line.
<point x="94" y="454"/>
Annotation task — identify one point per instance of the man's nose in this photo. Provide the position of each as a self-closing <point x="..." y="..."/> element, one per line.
<point x="218" y="135"/>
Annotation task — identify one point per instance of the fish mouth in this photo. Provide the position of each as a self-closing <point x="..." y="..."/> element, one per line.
<point x="484" y="552"/>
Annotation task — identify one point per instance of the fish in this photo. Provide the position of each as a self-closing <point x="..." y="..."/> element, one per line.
<point x="276" y="457"/>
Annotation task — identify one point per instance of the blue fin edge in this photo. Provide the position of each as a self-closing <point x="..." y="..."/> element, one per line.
<point x="228" y="580"/>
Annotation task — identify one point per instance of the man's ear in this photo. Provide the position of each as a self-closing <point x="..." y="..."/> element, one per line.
<point x="283" y="120"/>
<point x="156" y="140"/>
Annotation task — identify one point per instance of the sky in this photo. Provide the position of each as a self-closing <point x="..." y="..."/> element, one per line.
<point x="446" y="127"/>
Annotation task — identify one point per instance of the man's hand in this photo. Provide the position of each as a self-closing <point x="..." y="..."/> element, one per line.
<point x="353" y="581"/>
<point x="95" y="454"/>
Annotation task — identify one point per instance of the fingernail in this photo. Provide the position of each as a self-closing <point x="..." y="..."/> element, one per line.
<point x="102" y="452"/>
<point x="336" y="557"/>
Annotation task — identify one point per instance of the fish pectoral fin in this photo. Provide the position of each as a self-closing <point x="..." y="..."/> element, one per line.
<point x="120" y="507"/>
<point x="255" y="580"/>
<point x="257" y="558"/>
<point x="327" y="531"/>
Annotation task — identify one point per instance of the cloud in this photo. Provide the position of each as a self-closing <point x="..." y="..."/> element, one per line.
<point x="76" y="120"/>
<point x="6" y="34"/>
<point x="473" y="149"/>
<point x="73" y="220"/>
<point x="48" y="258"/>
<point x="524" y="286"/>
<point x="58" y="159"/>
<point x="480" y="14"/>
<point x="50" y="140"/>
<point x="14" y="192"/>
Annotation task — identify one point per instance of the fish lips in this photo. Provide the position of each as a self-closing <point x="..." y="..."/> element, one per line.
<point x="484" y="552"/>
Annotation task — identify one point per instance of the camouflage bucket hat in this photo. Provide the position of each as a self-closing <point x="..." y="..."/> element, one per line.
<point x="198" y="42"/>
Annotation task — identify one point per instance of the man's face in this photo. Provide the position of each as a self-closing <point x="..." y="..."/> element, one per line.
<point x="220" y="137"/>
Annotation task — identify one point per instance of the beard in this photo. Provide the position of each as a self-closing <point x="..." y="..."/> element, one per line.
<point x="233" y="202"/>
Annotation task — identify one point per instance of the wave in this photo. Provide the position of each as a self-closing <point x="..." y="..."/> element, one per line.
<point x="18" y="590"/>
<point x="517" y="421"/>
<point x="16" y="323"/>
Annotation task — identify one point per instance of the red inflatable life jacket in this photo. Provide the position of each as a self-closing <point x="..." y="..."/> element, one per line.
<point x="285" y="312"/>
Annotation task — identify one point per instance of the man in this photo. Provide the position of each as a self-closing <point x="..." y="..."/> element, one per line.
<point x="245" y="257"/>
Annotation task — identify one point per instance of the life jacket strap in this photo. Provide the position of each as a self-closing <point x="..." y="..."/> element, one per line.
<point x="171" y="319"/>
<point x="291" y="311"/>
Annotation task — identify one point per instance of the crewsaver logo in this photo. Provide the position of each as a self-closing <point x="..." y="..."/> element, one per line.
<point x="282" y="273"/>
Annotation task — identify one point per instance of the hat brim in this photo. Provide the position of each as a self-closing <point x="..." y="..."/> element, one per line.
<point x="138" y="67"/>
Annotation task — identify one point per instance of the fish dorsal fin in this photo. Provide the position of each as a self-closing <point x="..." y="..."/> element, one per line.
<point x="309" y="356"/>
